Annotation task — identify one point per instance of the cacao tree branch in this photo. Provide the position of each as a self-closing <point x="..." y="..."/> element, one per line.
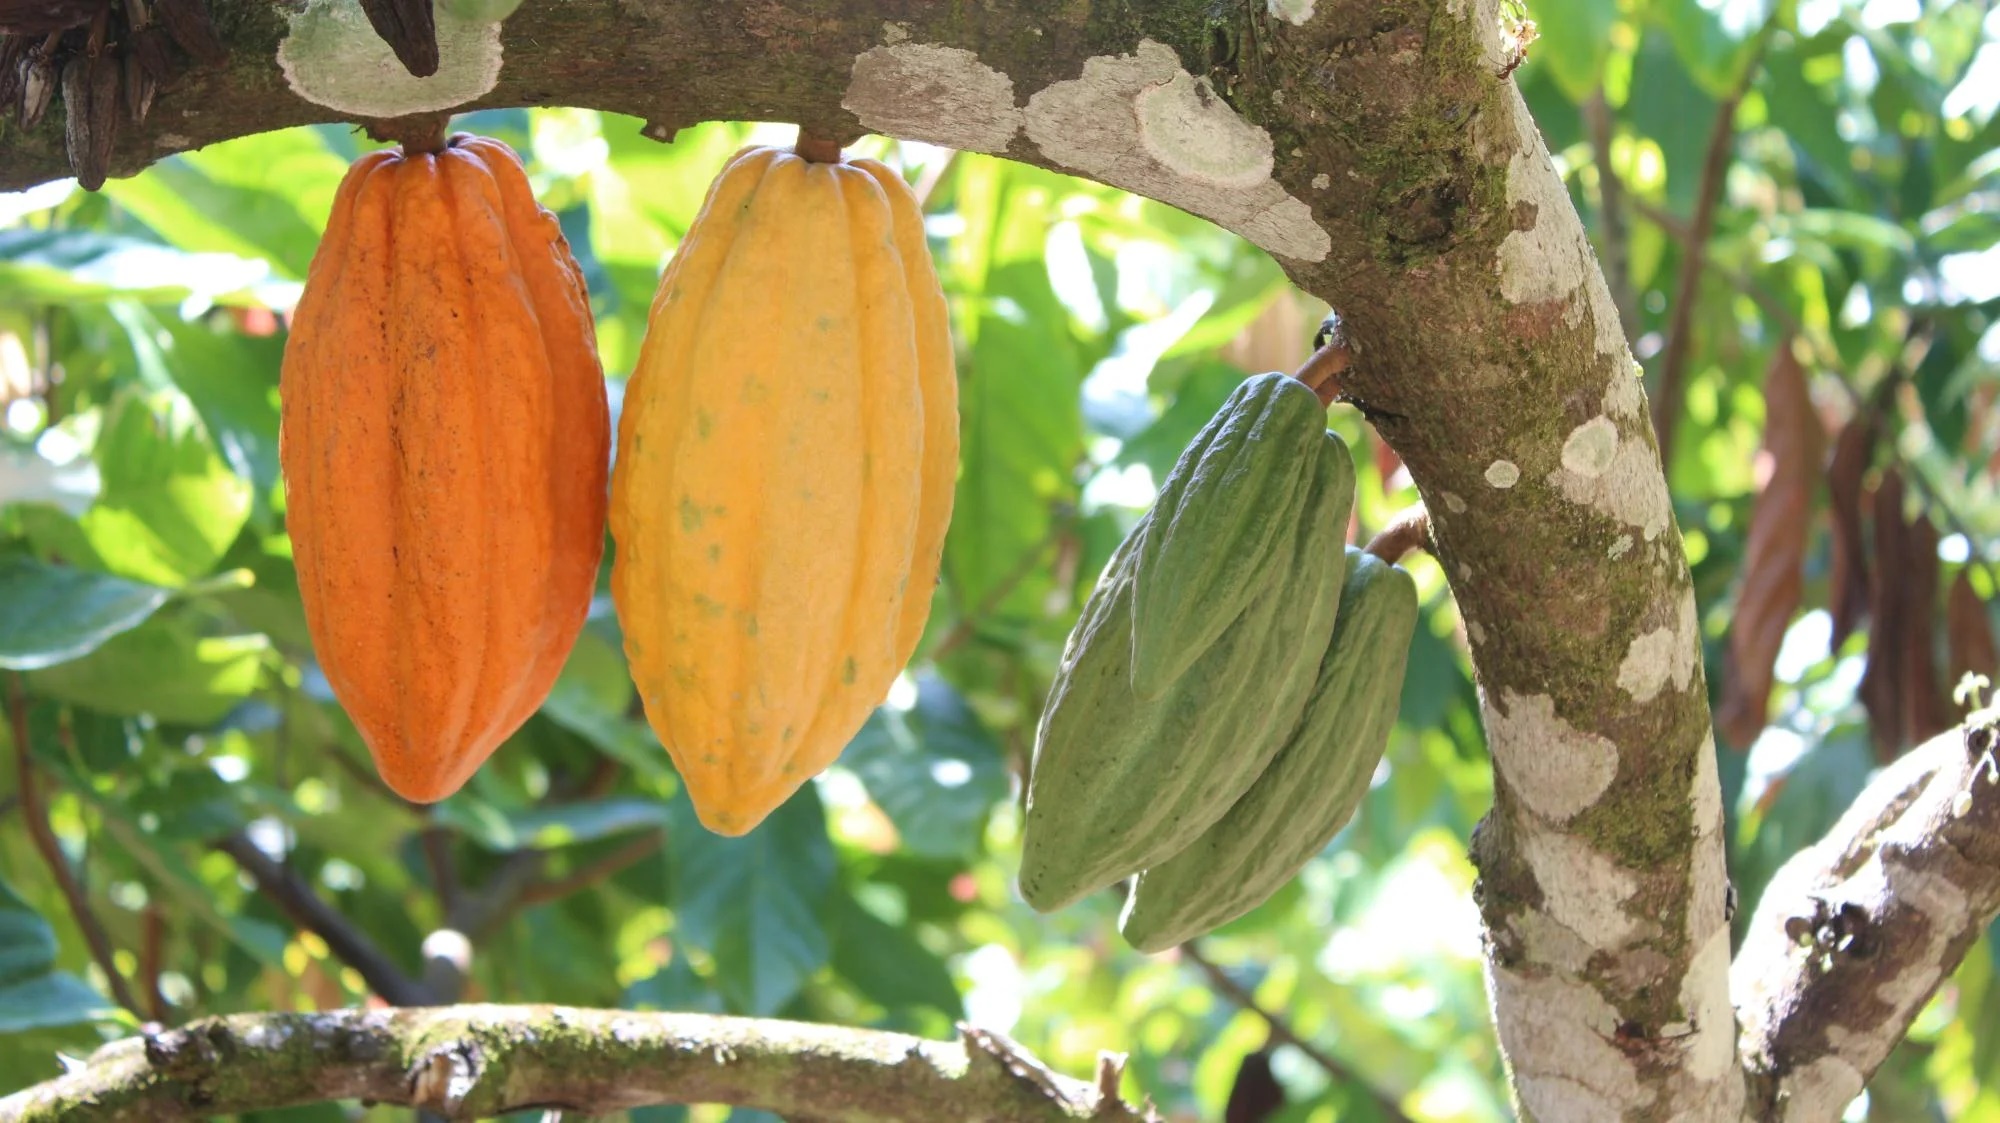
<point x="477" y="1062"/>
<point x="36" y="815"/>
<point x="1855" y="933"/>
<point x="303" y="907"/>
<point x="603" y="869"/>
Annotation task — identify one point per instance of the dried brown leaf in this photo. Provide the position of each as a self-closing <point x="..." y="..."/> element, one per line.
<point x="1968" y="631"/>
<point x="1926" y="700"/>
<point x="187" y="21"/>
<point x="1256" y="1096"/>
<point x="38" y="86"/>
<point x="1773" y="572"/>
<point x="90" y="104"/>
<point x="1848" y="597"/>
<point x="1881" y="683"/>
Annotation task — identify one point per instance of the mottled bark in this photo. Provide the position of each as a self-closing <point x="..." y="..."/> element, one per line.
<point x="478" y="1062"/>
<point x="1378" y="151"/>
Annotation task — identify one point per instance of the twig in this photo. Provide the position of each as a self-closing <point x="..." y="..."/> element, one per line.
<point x="152" y="959"/>
<point x="968" y="624"/>
<point x="480" y="912"/>
<point x="603" y="869"/>
<point x="1611" y="213"/>
<point x="478" y="1062"/>
<point x="304" y="908"/>
<point x="1680" y="324"/>
<point x="35" y="813"/>
<point x="1282" y="1031"/>
<point x="437" y="854"/>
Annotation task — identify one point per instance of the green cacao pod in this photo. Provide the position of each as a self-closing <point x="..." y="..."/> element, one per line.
<point x="1213" y="530"/>
<point x="1121" y="782"/>
<point x="1311" y="788"/>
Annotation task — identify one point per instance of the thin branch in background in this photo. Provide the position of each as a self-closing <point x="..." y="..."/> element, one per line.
<point x="35" y="812"/>
<point x="968" y="624"/>
<point x="436" y="842"/>
<point x="152" y="960"/>
<point x="1616" y="239"/>
<point x="594" y="873"/>
<point x="480" y="912"/>
<point x="1283" y="1032"/>
<point x="303" y="907"/>
<point x="1680" y="324"/>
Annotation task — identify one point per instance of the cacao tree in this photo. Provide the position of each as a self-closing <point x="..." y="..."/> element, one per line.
<point x="1676" y="320"/>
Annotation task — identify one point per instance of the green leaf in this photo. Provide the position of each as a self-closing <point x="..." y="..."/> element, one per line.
<point x="591" y="699"/>
<point x="264" y="196"/>
<point x="673" y="987"/>
<point x="262" y="942"/>
<point x="757" y="903"/>
<point x="164" y="669"/>
<point x="65" y="266"/>
<point x="545" y="828"/>
<point x="34" y="995"/>
<point x="886" y="964"/>
<point x="1575" y="38"/>
<point x="1670" y="108"/>
<point x="169" y="505"/>
<point x="50" y="614"/>
<point x="233" y="382"/>
<point x="933" y="769"/>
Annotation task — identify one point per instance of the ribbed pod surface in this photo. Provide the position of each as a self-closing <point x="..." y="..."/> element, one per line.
<point x="786" y="460"/>
<point x="445" y="442"/>
<point x="1122" y="781"/>
<point x="1312" y="786"/>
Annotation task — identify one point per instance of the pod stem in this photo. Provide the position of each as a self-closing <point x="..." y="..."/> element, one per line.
<point x="417" y="135"/>
<point x="816" y="148"/>
<point x="1322" y="370"/>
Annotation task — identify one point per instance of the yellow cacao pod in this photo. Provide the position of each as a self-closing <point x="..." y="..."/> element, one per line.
<point x="444" y="440"/>
<point x="786" y="458"/>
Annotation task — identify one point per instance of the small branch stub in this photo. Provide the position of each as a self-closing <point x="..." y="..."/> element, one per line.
<point x="424" y="133"/>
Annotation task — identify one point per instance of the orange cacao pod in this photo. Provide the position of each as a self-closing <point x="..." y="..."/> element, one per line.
<point x="444" y="442"/>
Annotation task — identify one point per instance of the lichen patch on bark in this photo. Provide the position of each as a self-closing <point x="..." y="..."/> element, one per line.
<point x="940" y="95"/>
<point x="1503" y="474"/>
<point x="1142" y="123"/>
<point x="1583" y="889"/>
<point x="1664" y="654"/>
<point x="1559" y="1044"/>
<point x="1294" y="12"/>
<point x="332" y="57"/>
<point x="1554" y="768"/>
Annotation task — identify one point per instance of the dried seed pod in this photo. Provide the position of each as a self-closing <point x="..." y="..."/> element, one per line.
<point x="149" y="46"/>
<point x="38" y="86"/>
<point x="42" y="17"/>
<point x="410" y="29"/>
<point x="90" y="100"/>
<point x="139" y="88"/>
<point x="13" y="52"/>
<point x="187" y="21"/>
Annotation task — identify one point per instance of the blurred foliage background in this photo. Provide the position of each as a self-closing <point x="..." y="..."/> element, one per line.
<point x="1796" y="206"/>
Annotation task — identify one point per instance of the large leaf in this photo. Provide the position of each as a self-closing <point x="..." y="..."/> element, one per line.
<point x="51" y="614"/>
<point x="548" y="827"/>
<point x="33" y="994"/>
<point x="757" y="903"/>
<point x="164" y="669"/>
<point x="933" y="769"/>
<point x="1774" y="558"/>
<point x="886" y="964"/>
<point x="169" y="506"/>
<point x="263" y="196"/>
<point x="77" y="266"/>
